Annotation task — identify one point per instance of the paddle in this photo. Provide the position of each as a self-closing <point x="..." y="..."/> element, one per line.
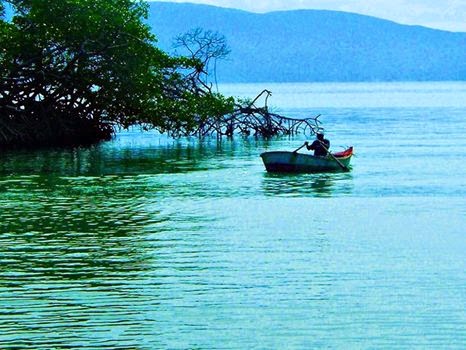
<point x="344" y="167"/>
<point x="297" y="149"/>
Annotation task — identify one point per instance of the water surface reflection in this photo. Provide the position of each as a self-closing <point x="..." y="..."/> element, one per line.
<point x="316" y="185"/>
<point x="151" y="154"/>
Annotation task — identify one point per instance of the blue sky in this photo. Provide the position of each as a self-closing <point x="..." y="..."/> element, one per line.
<point x="442" y="14"/>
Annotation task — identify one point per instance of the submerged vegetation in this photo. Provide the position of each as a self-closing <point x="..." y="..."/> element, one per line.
<point x="72" y="71"/>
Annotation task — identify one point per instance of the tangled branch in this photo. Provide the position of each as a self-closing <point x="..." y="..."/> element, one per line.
<point x="250" y="119"/>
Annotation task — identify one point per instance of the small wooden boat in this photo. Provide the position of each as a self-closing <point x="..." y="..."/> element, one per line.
<point x="294" y="162"/>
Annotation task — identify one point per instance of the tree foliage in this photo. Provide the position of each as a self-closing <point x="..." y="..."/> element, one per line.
<point x="73" y="70"/>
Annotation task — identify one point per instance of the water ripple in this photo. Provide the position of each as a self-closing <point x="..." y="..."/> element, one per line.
<point x="146" y="244"/>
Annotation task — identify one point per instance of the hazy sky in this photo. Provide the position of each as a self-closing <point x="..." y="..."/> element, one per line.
<point x="442" y="14"/>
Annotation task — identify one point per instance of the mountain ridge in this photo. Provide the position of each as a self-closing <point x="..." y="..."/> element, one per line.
<point x="317" y="45"/>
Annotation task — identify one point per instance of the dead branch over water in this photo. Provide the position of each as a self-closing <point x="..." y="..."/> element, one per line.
<point x="250" y="119"/>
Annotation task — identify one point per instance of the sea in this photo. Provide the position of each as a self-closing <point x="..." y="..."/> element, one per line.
<point x="148" y="242"/>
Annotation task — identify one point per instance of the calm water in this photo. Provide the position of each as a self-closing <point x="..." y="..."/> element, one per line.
<point x="151" y="243"/>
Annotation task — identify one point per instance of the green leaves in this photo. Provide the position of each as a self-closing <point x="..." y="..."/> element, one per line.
<point x="65" y="61"/>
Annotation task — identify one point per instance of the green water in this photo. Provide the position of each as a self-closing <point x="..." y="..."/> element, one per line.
<point x="151" y="243"/>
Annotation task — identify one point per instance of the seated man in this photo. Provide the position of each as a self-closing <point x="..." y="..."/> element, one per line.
<point x="319" y="146"/>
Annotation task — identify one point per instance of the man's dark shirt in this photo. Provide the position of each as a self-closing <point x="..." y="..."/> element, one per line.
<point x="319" y="149"/>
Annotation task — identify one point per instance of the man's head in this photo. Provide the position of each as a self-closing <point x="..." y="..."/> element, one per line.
<point x="320" y="136"/>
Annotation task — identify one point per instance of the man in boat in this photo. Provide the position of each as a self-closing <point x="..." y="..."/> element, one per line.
<point x="320" y="146"/>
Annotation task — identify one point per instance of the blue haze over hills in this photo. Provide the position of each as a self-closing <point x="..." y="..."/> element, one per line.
<point x="317" y="45"/>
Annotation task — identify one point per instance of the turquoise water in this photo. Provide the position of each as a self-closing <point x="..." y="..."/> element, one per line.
<point x="151" y="243"/>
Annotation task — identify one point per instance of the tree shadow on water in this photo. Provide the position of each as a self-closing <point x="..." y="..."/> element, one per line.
<point x="127" y="156"/>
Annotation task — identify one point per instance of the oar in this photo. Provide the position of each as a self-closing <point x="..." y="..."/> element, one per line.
<point x="344" y="167"/>
<point x="297" y="149"/>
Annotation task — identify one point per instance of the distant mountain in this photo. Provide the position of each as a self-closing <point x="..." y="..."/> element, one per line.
<point x="317" y="45"/>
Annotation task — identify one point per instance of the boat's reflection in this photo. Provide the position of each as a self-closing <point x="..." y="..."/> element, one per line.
<point x="317" y="185"/>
